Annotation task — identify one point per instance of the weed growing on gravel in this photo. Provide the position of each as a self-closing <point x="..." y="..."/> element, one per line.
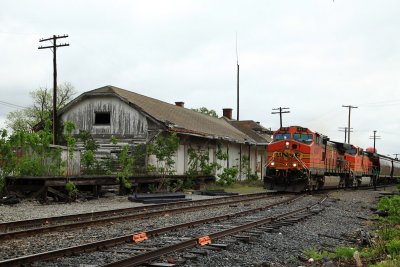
<point x="387" y="243"/>
<point x="318" y="255"/>
<point x="344" y="253"/>
<point x="341" y="253"/>
<point x="392" y="206"/>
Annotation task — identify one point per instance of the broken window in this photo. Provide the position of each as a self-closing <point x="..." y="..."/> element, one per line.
<point x="102" y="118"/>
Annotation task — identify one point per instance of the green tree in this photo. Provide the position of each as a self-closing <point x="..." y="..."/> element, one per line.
<point x="204" y="110"/>
<point x="41" y="109"/>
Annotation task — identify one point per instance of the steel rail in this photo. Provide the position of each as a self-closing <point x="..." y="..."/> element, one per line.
<point x="24" y="260"/>
<point x="80" y="224"/>
<point x="155" y="254"/>
<point x="89" y="215"/>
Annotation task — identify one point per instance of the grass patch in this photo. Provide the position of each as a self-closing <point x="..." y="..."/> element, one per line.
<point x="241" y="187"/>
<point x="341" y="253"/>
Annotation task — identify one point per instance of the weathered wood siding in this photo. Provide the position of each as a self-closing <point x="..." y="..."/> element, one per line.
<point x="72" y="163"/>
<point x="125" y="121"/>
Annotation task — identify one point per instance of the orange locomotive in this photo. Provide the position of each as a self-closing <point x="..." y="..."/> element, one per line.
<point x="299" y="159"/>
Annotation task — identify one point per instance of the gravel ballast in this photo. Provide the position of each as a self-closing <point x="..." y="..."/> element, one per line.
<point x="344" y="215"/>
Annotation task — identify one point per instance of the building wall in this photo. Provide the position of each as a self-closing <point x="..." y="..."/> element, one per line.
<point x="125" y="121"/>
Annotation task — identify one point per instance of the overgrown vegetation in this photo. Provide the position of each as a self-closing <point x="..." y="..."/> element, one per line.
<point x="385" y="246"/>
<point x="163" y="148"/>
<point x="7" y="158"/>
<point x="88" y="158"/>
<point x="246" y="170"/>
<point x="126" y="162"/>
<point x="199" y="162"/>
<point x="29" y="154"/>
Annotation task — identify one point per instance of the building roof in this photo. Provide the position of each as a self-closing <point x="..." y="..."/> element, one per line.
<point x="175" y="118"/>
<point x="254" y="130"/>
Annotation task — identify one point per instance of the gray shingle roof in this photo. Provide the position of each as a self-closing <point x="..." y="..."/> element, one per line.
<point x="176" y="118"/>
<point x="254" y="130"/>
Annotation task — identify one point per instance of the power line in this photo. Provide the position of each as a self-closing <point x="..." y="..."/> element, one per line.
<point x="280" y="113"/>
<point x="54" y="49"/>
<point x="8" y="104"/>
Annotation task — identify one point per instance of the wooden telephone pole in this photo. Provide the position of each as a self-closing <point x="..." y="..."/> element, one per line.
<point x="348" y="122"/>
<point x="375" y="137"/>
<point x="280" y="113"/>
<point x="54" y="50"/>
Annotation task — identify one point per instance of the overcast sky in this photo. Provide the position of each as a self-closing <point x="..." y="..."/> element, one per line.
<point x="312" y="56"/>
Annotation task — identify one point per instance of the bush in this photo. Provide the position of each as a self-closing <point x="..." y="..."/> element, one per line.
<point x="71" y="189"/>
<point x="228" y="176"/>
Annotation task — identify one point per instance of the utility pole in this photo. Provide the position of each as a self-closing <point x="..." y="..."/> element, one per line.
<point x="345" y="129"/>
<point x="280" y="113"/>
<point x="53" y="48"/>
<point x="348" y="122"/>
<point x="375" y="137"/>
<point x="396" y="156"/>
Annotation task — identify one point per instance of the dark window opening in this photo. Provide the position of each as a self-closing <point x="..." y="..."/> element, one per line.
<point x="102" y="118"/>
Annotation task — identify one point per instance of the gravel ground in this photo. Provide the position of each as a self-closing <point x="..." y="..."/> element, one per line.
<point x="342" y="218"/>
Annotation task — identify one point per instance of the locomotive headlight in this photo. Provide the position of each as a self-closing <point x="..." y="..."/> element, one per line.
<point x="287" y="144"/>
<point x="294" y="164"/>
<point x="272" y="163"/>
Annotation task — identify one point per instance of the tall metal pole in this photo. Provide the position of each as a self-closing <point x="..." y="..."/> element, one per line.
<point x="237" y="81"/>
<point x="54" y="50"/>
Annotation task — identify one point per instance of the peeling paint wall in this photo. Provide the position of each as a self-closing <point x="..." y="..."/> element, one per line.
<point x="125" y="121"/>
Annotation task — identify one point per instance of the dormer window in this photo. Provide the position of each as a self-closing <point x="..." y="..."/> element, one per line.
<point x="102" y="118"/>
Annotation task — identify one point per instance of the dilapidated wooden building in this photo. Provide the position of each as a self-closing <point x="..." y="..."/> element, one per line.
<point x="133" y="119"/>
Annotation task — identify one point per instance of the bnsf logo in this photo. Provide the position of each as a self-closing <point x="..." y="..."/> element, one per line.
<point x="287" y="154"/>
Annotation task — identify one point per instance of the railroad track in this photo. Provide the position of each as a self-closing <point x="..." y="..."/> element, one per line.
<point x="177" y="229"/>
<point x="24" y="228"/>
<point x="208" y="237"/>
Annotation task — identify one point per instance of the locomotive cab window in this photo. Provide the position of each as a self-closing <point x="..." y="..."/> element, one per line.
<point x="351" y="151"/>
<point x="102" y="118"/>
<point x="282" y="136"/>
<point x="304" y="138"/>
